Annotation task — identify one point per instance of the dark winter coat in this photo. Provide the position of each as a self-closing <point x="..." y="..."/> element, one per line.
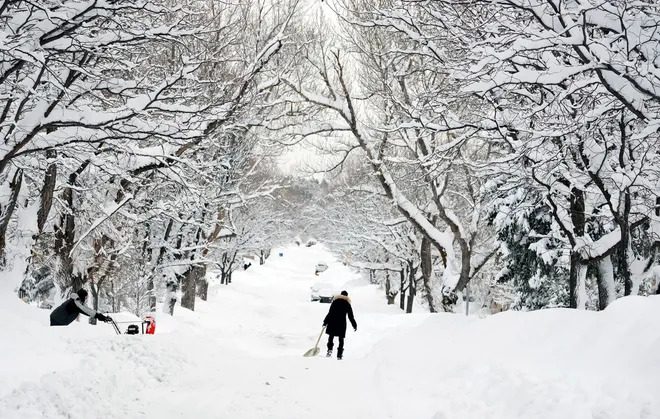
<point x="335" y="321"/>
<point x="69" y="310"/>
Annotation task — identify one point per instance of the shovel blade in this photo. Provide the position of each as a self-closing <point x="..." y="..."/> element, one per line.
<point x="312" y="352"/>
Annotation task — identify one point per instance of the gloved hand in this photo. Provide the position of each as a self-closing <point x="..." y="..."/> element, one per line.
<point x="102" y="317"/>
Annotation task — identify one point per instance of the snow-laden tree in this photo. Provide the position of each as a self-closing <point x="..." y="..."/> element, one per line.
<point x="511" y="141"/>
<point x="393" y="97"/>
<point x="351" y="215"/>
<point x="574" y="89"/>
<point x="145" y="112"/>
<point x="502" y="114"/>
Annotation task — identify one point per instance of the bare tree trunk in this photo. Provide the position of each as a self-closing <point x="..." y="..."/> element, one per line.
<point x="227" y="267"/>
<point x="171" y="297"/>
<point x="113" y="297"/>
<point x="466" y="257"/>
<point x="389" y="293"/>
<point x="225" y="276"/>
<point x="411" y="286"/>
<point x="161" y="254"/>
<point x="151" y="293"/>
<point x="387" y="287"/>
<point x="203" y="289"/>
<point x="138" y="302"/>
<point x="620" y="210"/>
<point x="427" y="272"/>
<point x="188" y="289"/>
<point x="97" y="273"/>
<point x="402" y="290"/>
<point x="624" y="246"/>
<point x="224" y="271"/>
<point x="573" y="280"/>
<point x="170" y="307"/>
<point x="15" y="187"/>
<point x="189" y="282"/>
<point x="65" y="236"/>
<point x="623" y="217"/>
<point x="195" y="274"/>
<point x="578" y="218"/>
<point x="582" y="287"/>
<point x="147" y="254"/>
<point x="95" y="301"/>
<point x="605" y="280"/>
<point x="263" y="255"/>
<point x="47" y="191"/>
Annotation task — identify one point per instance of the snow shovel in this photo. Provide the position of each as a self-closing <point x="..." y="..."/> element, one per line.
<point x="114" y="325"/>
<point x="131" y="330"/>
<point x="315" y="350"/>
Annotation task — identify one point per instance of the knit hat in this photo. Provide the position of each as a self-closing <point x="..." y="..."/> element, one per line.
<point x="82" y="294"/>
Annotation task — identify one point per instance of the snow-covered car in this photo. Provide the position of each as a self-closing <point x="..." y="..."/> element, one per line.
<point x="320" y="267"/>
<point x="322" y="292"/>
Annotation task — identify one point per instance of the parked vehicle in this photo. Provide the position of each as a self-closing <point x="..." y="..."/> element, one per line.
<point x="320" y="267"/>
<point x="322" y="292"/>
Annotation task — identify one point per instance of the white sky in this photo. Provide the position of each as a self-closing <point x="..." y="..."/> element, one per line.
<point x="303" y="158"/>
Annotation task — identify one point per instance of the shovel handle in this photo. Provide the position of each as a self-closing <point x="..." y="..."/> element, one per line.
<point x="114" y="325"/>
<point x="319" y="339"/>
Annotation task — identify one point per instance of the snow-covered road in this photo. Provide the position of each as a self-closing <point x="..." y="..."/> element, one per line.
<point x="239" y="356"/>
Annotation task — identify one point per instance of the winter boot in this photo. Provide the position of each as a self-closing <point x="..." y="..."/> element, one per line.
<point x="340" y="355"/>
<point x="329" y="353"/>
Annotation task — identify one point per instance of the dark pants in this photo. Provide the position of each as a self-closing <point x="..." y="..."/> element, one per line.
<point x="340" y="348"/>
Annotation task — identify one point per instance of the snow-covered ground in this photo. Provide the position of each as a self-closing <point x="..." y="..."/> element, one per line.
<point x="240" y="356"/>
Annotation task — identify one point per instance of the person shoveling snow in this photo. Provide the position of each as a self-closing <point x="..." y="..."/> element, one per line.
<point x="335" y="322"/>
<point x="69" y="310"/>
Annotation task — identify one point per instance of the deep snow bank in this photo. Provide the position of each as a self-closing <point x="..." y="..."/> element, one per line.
<point x="239" y="356"/>
<point x="547" y="364"/>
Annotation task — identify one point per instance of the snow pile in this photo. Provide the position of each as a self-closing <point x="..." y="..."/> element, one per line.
<point x="239" y="356"/>
<point x="556" y="363"/>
